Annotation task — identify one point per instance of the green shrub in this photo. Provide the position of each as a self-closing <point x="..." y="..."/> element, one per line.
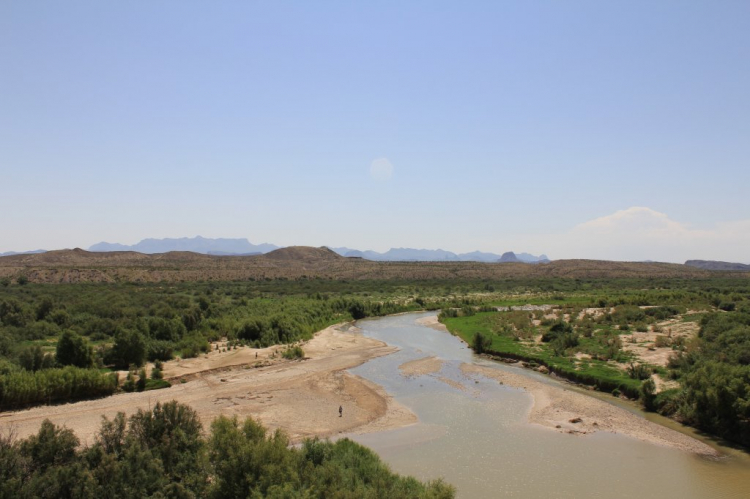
<point x="157" y="384"/>
<point x="159" y="350"/>
<point x="129" y="384"/>
<point x="639" y="371"/>
<point x="648" y="394"/>
<point x="193" y="345"/>
<point x="294" y="352"/>
<point x="481" y="343"/>
<point x="662" y="341"/>
<point x="140" y="385"/>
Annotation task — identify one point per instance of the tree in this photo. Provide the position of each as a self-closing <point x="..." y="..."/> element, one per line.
<point x="74" y="350"/>
<point x="129" y="349"/>
<point x="481" y="343"/>
<point x="140" y="385"/>
<point x="358" y="310"/>
<point x="44" y="308"/>
<point x="33" y="359"/>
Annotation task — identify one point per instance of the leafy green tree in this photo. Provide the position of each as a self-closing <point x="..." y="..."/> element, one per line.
<point x="74" y="350"/>
<point x="13" y="313"/>
<point x="44" y="308"/>
<point x="129" y="349"/>
<point x="51" y="446"/>
<point x="173" y="432"/>
<point x="33" y="359"/>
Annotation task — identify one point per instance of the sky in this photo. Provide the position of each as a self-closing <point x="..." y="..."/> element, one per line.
<point x="580" y="129"/>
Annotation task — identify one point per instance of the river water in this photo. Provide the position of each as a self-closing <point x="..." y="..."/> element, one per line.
<point x="479" y="440"/>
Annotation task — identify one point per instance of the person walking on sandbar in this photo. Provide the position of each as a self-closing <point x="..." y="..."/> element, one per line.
<point x="341" y="411"/>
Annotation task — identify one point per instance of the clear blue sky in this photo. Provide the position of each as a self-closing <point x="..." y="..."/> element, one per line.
<point x="507" y="125"/>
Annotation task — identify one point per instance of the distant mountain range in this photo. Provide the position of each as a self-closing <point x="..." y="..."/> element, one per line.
<point x="243" y="247"/>
<point x="425" y="255"/>
<point x="714" y="265"/>
<point x="33" y="252"/>
<point x="197" y="244"/>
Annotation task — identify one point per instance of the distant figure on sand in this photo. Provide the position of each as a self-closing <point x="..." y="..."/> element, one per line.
<point x="341" y="411"/>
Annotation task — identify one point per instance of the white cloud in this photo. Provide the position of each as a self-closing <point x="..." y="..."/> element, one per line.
<point x="637" y="219"/>
<point x="640" y="233"/>
<point x="381" y="169"/>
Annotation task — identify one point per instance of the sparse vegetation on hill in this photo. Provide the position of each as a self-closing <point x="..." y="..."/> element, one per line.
<point x="69" y="266"/>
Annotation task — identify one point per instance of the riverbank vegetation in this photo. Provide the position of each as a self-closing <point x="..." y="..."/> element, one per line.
<point x="163" y="452"/>
<point x="683" y="351"/>
<point x="679" y="345"/>
<point x="63" y="342"/>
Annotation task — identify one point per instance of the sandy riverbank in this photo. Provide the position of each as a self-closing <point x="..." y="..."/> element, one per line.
<point x="432" y="322"/>
<point x="301" y="397"/>
<point x="555" y="407"/>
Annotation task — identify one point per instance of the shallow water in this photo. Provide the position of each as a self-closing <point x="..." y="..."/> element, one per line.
<point x="477" y="438"/>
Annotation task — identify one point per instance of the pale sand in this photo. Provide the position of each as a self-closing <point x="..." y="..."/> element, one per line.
<point x="432" y="322"/>
<point x="428" y="366"/>
<point x="300" y="397"/>
<point x="555" y="407"/>
<point x="418" y="367"/>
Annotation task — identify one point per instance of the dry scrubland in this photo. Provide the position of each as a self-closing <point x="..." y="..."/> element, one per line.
<point x="68" y="266"/>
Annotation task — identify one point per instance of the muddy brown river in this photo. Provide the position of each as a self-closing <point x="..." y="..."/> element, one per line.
<point x="477" y="437"/>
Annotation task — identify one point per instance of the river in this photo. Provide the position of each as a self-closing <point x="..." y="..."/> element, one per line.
<point x="478" y="438"/>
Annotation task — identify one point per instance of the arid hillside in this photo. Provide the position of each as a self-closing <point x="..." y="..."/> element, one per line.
<point x="300" y="262"/>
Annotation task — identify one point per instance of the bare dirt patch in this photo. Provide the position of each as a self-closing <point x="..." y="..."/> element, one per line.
<point x="644" y="345"/>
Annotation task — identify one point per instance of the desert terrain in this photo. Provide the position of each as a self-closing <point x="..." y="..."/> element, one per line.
<point x="300" y="262"/>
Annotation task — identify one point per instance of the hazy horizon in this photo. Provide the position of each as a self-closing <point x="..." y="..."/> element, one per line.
<point x="614" y="131"/>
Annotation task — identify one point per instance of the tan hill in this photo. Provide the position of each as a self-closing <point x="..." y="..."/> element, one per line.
<point x="303" y="254"/>
<point x="299" y="262"/>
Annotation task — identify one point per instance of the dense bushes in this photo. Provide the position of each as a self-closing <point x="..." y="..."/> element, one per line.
<point x="33" y="358"/>
<point x="118" y="326"/>
<point x="715" y="375"/>
<point x="22" y="388"/>
<point x="162" y="453"/>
